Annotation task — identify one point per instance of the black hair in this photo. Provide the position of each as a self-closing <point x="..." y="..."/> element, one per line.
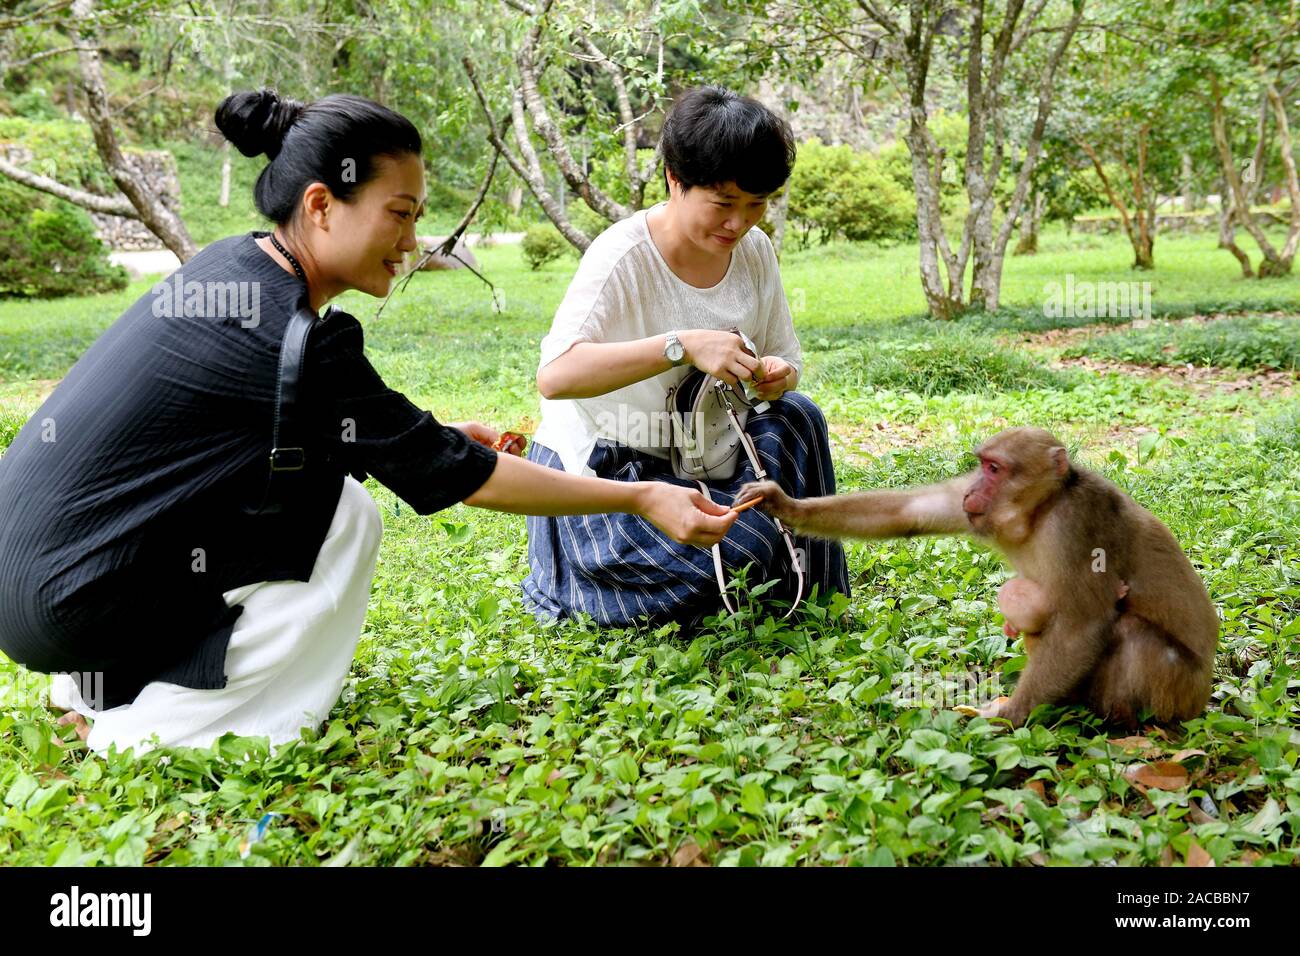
<point x="334" y="140"/>
<point x="713" y="136"/>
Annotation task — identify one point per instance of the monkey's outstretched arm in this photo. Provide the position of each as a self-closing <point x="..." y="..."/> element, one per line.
<point x="933" y="509"/>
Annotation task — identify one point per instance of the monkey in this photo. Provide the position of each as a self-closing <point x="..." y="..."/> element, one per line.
<point x="1112" y="612"/>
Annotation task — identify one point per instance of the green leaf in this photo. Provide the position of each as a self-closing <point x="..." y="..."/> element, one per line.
<point x="752" y="799"/>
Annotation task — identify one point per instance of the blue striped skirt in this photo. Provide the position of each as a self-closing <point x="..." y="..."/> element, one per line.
<point x="619" y="567"/>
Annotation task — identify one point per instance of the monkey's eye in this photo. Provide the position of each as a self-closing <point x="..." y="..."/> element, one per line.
<point x="992" y="466"/>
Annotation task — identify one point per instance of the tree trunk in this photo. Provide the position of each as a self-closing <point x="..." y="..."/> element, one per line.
<point x="1292" y="182"/>
<point x="526" y="165"/>
<point x="224" y="199"/>
<point x="776" y="215"/>
<point x="160" y="220"/>
<point x="779" y="209"/>
<point x="1189" y="196"/>
<point x="1240" y="208"/>
<point x="1027" y="245"/>
<point x="1228" y="232"/>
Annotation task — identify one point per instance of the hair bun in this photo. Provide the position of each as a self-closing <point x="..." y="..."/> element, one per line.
<point x="256" y="122"/>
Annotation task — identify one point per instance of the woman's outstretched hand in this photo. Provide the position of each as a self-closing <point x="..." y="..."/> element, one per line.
<point x="684" y="514"/>
<point x="478" y="432"/>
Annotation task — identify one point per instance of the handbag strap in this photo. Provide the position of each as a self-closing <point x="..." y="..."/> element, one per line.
<point x="288" y="449"/>
<point x="760" y="474"/>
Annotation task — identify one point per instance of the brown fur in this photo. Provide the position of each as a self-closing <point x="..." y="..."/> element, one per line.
<point x="1124" y="628"/>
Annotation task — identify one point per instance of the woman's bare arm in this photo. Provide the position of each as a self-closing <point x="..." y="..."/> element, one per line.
<point x="589" y="369"/>
<point x="524" y="487"/>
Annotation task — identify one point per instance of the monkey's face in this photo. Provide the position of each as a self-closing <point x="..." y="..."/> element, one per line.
<point x="1019" y="469"/>
<point x="985" y="492"/>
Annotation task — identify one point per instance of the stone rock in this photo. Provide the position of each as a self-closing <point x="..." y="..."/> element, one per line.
<point x="440" y="263"/>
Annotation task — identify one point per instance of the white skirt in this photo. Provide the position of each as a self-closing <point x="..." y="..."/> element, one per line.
<point x="288" y="656"/>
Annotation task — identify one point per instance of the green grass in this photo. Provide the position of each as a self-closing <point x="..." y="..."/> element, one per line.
<point x="1240" y="342"/>
<point x="467" y="733"/>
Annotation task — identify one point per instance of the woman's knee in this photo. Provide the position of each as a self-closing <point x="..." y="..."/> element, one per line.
<point x="797" y="405"/>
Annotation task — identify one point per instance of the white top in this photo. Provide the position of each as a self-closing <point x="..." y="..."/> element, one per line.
<point x="624" y="290"/>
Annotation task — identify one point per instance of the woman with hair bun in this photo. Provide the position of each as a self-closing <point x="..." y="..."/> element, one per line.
<point x="132" y="564"/>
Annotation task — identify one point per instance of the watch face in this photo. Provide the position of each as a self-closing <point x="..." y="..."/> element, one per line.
<point x="674" y="350"/>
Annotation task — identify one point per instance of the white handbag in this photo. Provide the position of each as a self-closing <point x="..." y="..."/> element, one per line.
<point x="708" y="435"/>
<point x="707" y="417"/>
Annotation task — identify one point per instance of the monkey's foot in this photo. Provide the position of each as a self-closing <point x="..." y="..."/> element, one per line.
<point x="988" y="711"/>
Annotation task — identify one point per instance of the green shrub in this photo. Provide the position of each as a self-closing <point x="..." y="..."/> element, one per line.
<point x="1280" y="432"/>
<point x="586" y="219"/>
<point x="61" y="149"/>
<point x="542" y="244"/>
<point x="934" y="365"/>
<point x="48" y="248"/>
<point x="1238" y="342"/>
<point x="836" y="191"/>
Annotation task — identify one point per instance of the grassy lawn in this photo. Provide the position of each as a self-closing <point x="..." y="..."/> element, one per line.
<point x="469" y="734"/>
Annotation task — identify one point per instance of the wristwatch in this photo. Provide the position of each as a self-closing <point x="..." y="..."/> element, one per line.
<point x="674" y="351"/>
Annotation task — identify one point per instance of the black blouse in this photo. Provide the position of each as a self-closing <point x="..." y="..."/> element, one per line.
<point x="122" y="500"/>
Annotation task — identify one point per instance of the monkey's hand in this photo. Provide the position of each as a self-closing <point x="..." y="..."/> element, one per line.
<point x="988" y="711"/>
<point x="775" y="501"/>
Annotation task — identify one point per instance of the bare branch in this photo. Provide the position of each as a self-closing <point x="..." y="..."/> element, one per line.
<point x="109" y="205"/>
<point x="160" y="220"/>
<point x="630" y="124"/>
<point x="531" y="173"/>
<point x="888" y="23"/>
<point x="37" y="57"/>
<point x="550" y="132"/>
<point x="1035" y="145"/>
<point x="27" y="19"/>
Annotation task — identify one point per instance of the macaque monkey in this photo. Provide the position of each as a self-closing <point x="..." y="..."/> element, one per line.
<point x="1112" y="613"/>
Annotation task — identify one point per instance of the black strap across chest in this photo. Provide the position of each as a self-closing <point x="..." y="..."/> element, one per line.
<point x="288" y="429"/>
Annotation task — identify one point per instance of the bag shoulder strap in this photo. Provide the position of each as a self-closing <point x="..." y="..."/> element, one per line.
<point x="288" y="447"/>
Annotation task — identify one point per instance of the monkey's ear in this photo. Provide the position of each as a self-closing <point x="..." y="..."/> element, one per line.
<point x="1060" y="460"/>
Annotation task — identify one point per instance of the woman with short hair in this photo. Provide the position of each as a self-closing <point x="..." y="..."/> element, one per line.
<point x="654" y="296"/>
<point x="138" y="545"/>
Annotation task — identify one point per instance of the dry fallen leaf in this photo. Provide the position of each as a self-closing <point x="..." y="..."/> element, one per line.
<point x="1184" y="754"/>
<point x="1199" y="816"/>
<point x="1161" y="775"/>
<point x="689" y="854"/>
<point x="1197" y="856"/>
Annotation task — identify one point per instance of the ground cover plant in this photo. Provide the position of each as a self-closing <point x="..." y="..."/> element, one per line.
<point x="470" y="734"/>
